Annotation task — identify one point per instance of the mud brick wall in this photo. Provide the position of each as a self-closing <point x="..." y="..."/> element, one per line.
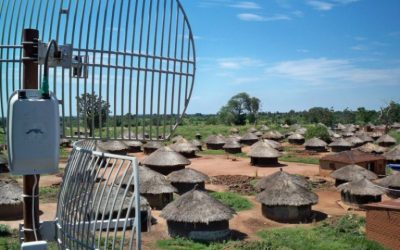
<point x="383" y="226"/>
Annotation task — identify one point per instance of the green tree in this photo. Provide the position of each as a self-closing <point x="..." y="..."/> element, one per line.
<point x="318" y="131"/>
<point x="320" y="115"/>
<point x="93" y="110"/>
<point x="390" y="114"/>
<point x="239" y="108"/>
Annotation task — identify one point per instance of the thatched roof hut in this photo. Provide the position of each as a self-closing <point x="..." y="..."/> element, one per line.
<point x="296" y="139"/>
<point x="258" y="134"/>
<point x="134" y="146"/>
<point x="315" y="144"/>
<point x="274" y="144"/>
<point x="177" y="138"/>
<point x="372" y="148"/>
<point x="386" y="141"/>
<point x="113" y="147"/>
<point x="151" y="147"/>
<point x="395" y="125"/>
<point x="263" y="155"/>
<point x="340" y="145"/>
<point x="355" y="141"/>
<point x="232" y="147"/>
<point x="198" y="216"/>
<point x="252" y="130"/>
<point x="393" y="156"/>
<point x="285" y="201"/>
<point x="187" y="179"/>
<point x="65" y="142"/>
<point x="249" y="139"/>
<point x="215" y="142"/>
<point x="263" y="128"/>
<point x="185" y="148"/>
<point x="273" y="135"/>
<point x="233" y="138"/>
<point x="234" y="130"/>
<point x="351" y="173"/>
<point x="301" y="131"/>
<point x="279" y="176"/>
<point x="197" y="143"/>
<point x="198" y="136"/>
<point x="347" y="133"/>
<point x="360" y="192"/>
<point x="11" y="203"/>
<point x="392" y="182"/>
<point x="365" y="138"/>
<point x="165" y="160"/>
<point x="376" y="134"/>
<point x="340" y="126"/>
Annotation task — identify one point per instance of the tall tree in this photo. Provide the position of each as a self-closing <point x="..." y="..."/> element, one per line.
<point x="239" y="108"/>
<point x="94" y="110"/>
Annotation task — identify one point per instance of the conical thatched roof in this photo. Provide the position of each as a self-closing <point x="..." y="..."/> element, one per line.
<point x="353" y="173"/>
<point x="153" y="144"/>
<point x="392" y="181"/>
<point x="10" y="192"/>
<point x="177" y="138"/>
<point x="340" y="143"/>
<point x="396" y="125"/>
<point x="112" y="145"/>
<point x="232" y="144"/>
<point x="372" y="148"/>
<point x="187" y="175"/>
<point x="301" y="131"/>
<point x="376" y="134"/>
<point x="340" y="126"/>
<point x="258" y="133"/>
<point x="249" y="136"/>
<point x="263" y="128"/>
<point x="296" y="137"/>
<point x="233" y="138"/>
<point x="215" y="139"/>
<point x="273" y="135"/>
<point x="393" y="154"/>
<point x="196" y="142"/>
<point x="263" y="151"/>
<point x="197" y="207"/>
<point x="365" y="137"/>
<point x="165" y="156"/>
<point x="252" y="130"/>
<point x="287" y="193"/>
<point x="285" y="126"/>
<point x="234" y="130"/>
<point x="386" y="139"/>
<point x="152" y="182"/>
<point x="183" y="146"/>
<point x="274" y="144"/>
<point x="280" y="176"/>
<point x="361" y="187"/>
<point x="315" y="142"/>
<point x="133" y="143"/>
<point x="354" y="140"/>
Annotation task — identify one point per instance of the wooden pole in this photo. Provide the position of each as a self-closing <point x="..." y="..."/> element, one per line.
<point x="30" y="81"/>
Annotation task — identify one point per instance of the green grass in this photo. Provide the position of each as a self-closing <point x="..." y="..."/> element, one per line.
<point x="64" y="153"/>
<point x="183" y="244"/>
<point x="395" y="135"/>
<point x="48" y="194"/>
<point x="235" y="201"/>
<point x="298" y="159"/>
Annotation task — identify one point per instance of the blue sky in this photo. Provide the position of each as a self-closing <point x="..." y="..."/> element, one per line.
<point x="296" y="54"/>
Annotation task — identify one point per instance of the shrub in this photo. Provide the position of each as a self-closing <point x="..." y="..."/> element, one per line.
<point x="318" y="131"/>
<point x="5" y="230"/>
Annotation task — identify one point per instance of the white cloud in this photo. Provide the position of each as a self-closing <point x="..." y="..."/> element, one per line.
<point x="303" y="50"/>
<point x="238" y="63"/>
<point x="319" y="71"/>
<point x="359" y="47"/>
<point x="246" y="5"/>
<point x="249" y="17"/>
<point x="326" y="5"/>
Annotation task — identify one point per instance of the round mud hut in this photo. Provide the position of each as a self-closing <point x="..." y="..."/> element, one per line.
<point x="263" y="155"/>
<point x="197" y="144"/>
<point x="386" y="141"/>
<point x="187" y="179"/>
<point x="252" y="130"/>
<point x="113" y="147"/>
<point x="232" y="147"/>
<point x="285" y="201"/>
<point x="134" y="146"/>
<point x="365" y="138"/>
<point x="355" y="141"/>
<point x="372" y="148"/>
<point x="263" y="128"/>
<point x="10" y="200"/>
<point x="297" y="139"/>
<point x="249" y="139"/>
<point x="215" y="142"/>
<point x="301" y="131"/>
<point x="151" y="147"/>
<point x="315" y="144"/>
<point x="258" y="134"/>
<point x="177" y="138"/>
<point x="185" y="148"/>
<point x="234" y="130"/>
<point x="393" y="156"/>
<point x="391" y="182"/>
<point x="108" y="202"/>
<point x="198" y="216"/>
<point x="273" y="135"/>
<point x="165" y="160"/>
<point x="198" y="136"/>
<point x="274" y="144"/>
<point x="279" y="176"/>
<point x="360" y="192"/>
<point x="340" y="145"/>
<point x="376" y="134"/>
<point x="351" y="173"/>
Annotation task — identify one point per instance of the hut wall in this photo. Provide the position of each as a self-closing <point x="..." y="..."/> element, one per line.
<point x="165" y="170"/>
<point x="213" y="231"/>
<point x="359" y="199"/>
<point x="327" y="167"/>
<point x="233" y="150"/>
<point x="148" y="151"/>
<point x="191" y="154"/>
<point x="144" y="216"/>
<point x="394" y="194"/>
<point x="158" y="201"/>
<point x="287" y="214"/>
<point x="119" y="152"/>
<point x="263" y="162"/>
<point x="297" y="142"/>
<point x="383" y="226"/>
<point x="316" y="149"/>
<point x="249" y="142"/>
<point x="340" y="149"/>
<point x="186" y="187"/>
<point x="11" y="211"/>
<point x="134" y="149"/>
<point x="214" y="146"/>
<point x="386" y="144"/>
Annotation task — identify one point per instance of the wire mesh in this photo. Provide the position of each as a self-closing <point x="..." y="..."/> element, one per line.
<point x="136" y="63"/>
<point x="94" y="210"/>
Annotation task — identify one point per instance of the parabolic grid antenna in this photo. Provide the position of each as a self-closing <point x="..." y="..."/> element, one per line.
<point x="128" y="66"/>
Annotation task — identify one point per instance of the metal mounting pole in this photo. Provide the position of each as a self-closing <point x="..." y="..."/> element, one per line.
<point x="30" y="81"/>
